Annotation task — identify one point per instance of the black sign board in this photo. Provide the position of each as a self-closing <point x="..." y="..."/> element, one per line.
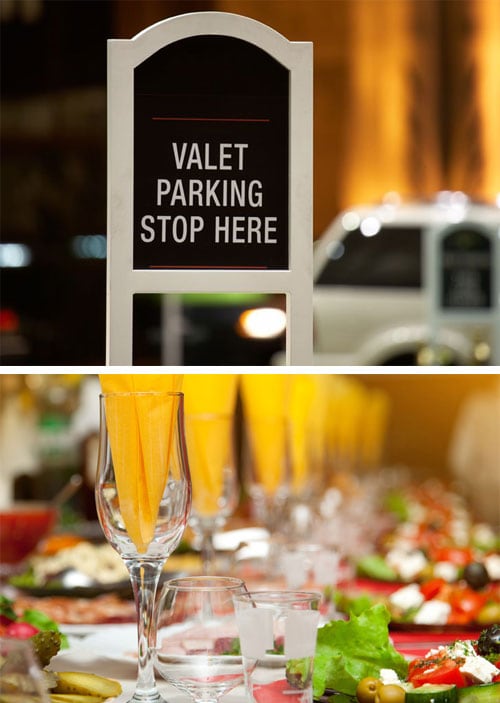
<point x="211" y="157"/>
<point x="209" y="170"/>
<point x="466" y="269"/>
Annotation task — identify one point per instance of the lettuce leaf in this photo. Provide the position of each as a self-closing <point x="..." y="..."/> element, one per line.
<point x="374" y="566"/>
<point x="347" y="651"/>
<point x="6" y="609"/>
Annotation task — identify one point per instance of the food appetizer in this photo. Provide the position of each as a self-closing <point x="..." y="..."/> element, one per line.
<point x="356" y="662"/>
<point x="46" y="640"/>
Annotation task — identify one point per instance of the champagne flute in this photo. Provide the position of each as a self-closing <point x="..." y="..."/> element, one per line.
<point x="199" y="649"/>
<point x="210" y="442"/>
<point x="266" y="469"/>
<point x="307" y="412"/>
<point x="266" y="446"/>
<point x="143" y="499"/>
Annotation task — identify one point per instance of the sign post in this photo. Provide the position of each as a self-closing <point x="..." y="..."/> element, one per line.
<point x="209" y="169"/>
<point x="463" y="265"/>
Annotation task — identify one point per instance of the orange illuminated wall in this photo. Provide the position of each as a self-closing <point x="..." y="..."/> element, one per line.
<point x="423" y="412"/>
<point x="406" y="93"/>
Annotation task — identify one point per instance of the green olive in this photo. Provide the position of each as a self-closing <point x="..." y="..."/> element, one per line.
<point x="489" y="614"/>
<point x="367" y="689"/>
<point x="390" y="693"/>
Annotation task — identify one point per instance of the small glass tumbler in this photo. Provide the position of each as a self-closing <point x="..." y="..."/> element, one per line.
<point x="306" y="565"/>
<point x="20" y="675"/>
<point x="306" y="562"/>
<point x="278" y="632"/>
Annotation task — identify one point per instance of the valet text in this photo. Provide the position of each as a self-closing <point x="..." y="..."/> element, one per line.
<point x="209" y="176"/>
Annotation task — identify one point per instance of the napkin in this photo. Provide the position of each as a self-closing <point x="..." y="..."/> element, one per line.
<point x="140" y="430"/>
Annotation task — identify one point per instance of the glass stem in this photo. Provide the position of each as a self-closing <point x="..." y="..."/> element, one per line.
<point x="145" y="575"/>
<point x="207" y="553"/>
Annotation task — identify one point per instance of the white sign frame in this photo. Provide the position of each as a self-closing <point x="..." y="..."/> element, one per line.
<point x="122" y="280"/>
<point x="437" y="314"/>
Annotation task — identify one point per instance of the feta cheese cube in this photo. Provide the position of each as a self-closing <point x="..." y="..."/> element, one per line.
<point x="480" y="669"/>
<point x="388" y="676"/>
<point x="433" y="612"/>
<point x="407" y="564"/>
<point x="446" y="570"/>
<point x="492" y="566"/>
<point x="407" y="597"/>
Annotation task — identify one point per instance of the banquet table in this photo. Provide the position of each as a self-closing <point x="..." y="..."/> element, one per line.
<point x="109" y="651"/>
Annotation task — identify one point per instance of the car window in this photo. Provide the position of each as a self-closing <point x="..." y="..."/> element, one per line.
<point x="390" y="258"/>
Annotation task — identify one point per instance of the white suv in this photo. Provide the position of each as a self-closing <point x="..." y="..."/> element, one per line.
<point x="371" y="287"/>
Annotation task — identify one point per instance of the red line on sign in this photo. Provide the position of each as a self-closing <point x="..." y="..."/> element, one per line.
<point x="210" y="119"/>
<point x="208" y="267"/>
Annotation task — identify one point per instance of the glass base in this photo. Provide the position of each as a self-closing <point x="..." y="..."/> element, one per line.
<point x="142" y="697"/>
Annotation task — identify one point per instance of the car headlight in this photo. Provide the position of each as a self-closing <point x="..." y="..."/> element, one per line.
<point x="261" y="323"/>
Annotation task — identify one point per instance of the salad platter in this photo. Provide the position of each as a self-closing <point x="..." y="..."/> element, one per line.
<point x="429" y="533"/>
<point x="356" y="662"/>
<point x="433" y="567"/>
<point x="430" y="606"/>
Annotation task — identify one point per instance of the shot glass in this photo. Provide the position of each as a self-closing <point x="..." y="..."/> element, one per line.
<point x="314" y="563"/>
<point x="277" y="631"/>
<point x="311" y="566"/>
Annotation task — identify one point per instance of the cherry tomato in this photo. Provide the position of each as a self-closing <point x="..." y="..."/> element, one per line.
<point x="20" y="630"/>
<point x="416" y="666"/>
<point x="438" y="672"/>
<point x="460" y="556"/>
<point x="458" y="618"/>
<point x="430" y="589"/>
<point x="467" y="600"/>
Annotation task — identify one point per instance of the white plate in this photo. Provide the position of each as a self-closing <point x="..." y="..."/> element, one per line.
<point x="109" y="651"/>
<point x="232" y="539"/>
<point x="116" y="642"/>
<point x="92" y="629"/>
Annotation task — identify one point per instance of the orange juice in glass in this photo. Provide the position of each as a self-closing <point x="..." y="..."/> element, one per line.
<point x="266" y="470"/>
<point x="210" y="406"/>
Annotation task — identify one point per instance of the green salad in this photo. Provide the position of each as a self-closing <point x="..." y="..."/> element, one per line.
<point x="348" y="651"/>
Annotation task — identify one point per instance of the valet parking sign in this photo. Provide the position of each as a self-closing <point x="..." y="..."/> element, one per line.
<point x="211" y="175"/>
<point x="210" y="169"/>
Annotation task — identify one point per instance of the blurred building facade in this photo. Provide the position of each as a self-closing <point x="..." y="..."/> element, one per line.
<point x="406" y="99"/>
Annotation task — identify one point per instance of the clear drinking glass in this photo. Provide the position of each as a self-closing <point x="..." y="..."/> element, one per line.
<point x="143" y="498"/>
<point x="198" y="650"/>
<point x="210" y="442"/>
<point x="20" y="676"/>
<point x="278" y="632"/>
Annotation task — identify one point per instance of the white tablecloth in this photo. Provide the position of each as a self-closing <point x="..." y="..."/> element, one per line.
<point x="109" y="651"/>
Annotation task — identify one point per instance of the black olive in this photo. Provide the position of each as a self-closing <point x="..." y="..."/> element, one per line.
<point x="489" y="641"/>
<point x="476" y="575"/>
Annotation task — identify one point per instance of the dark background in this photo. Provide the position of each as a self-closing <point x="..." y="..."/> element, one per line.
<point x="405" y="98"/>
